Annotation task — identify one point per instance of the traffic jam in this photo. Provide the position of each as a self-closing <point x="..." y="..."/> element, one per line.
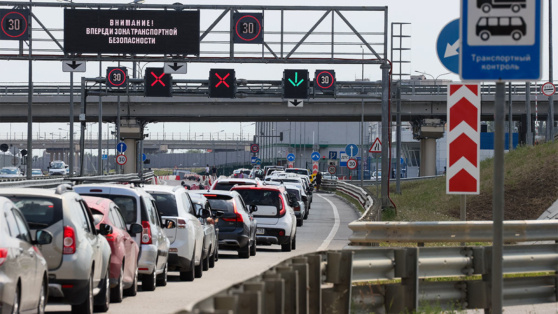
<point x="89" y="245"/>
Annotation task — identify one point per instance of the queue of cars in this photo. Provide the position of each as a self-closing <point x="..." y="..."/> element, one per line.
<point x="91" y="244"/>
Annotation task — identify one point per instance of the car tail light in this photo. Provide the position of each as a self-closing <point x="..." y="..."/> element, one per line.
<point x="283" y="210"/>
<point x="3" y="255"/>
<point x="281" y="233"/>
<point x="297" y="208"/>
<point x="69" y="240"/>
<point x="146" y="233"/>
<point x="181" y="223"/>
<point x="110" y="237"/>
<point x="238" y="215"/>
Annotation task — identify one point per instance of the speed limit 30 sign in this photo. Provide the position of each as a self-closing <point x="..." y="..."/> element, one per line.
<point x="121" y="159"/>
<point x="352" y="164"/>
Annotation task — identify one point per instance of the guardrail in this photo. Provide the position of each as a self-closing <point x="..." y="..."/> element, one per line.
<point x="48" y="182"/>
<point x="362" y="278"/>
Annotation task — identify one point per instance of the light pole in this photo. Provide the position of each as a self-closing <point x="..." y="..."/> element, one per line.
<point x="434" y="78"/>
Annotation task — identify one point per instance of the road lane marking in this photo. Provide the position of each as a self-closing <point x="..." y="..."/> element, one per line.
<point x="333" y="231"/>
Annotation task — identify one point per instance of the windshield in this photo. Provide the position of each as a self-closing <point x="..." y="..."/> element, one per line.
<point x="299" y="171"/>
<point x="57" y="165"/>
<point x="9" y="171"/>
<point x="38" y="171"/>
<point x="166" y="204"/>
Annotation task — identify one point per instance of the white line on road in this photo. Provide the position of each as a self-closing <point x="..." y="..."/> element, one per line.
<point x="333" y="231"/>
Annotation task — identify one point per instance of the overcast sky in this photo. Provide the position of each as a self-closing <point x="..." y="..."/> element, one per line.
<point x="427" y="18"/>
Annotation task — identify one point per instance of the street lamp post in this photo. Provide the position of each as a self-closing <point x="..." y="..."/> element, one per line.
<point x="434" y="78"/>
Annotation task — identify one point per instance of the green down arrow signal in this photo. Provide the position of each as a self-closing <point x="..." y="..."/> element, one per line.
<point x="296" y="79"/>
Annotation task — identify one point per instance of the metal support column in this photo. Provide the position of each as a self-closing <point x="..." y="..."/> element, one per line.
<point x="385" y="133"/>
<point x="528" y="127"/>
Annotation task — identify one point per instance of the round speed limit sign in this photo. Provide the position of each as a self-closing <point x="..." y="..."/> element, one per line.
<point x="331" y="169"/>
<point x="352" y="164"/>
<point x="121" y="159"/>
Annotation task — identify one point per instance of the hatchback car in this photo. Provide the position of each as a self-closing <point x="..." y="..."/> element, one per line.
<point x="10" y="172"/>
<point x="237" y="226"/>
<point x="210" y="233"/>
<point x="78" y="256"/>
<point x="137" y="206"/>
<point x="225" y="184"/>
<point x="276" y="218"/>
<point x="186" y="240"/>
<point x="125" y="251"/>
<point x="295" y="200"/>
<point x="23" y="269"/>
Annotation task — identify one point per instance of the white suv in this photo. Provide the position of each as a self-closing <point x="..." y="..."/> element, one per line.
<point x="276" y="218"/>
<point x="137" y="206"/>
<point x="186" y="240"/>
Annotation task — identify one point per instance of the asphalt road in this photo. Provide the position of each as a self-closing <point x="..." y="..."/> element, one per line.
<point x="325" y="229"/>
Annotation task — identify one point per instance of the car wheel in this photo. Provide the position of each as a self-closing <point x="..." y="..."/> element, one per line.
<point x="87" y="306"/>
<point x="148" y="281"/>
<point x="253" y="249"/>
<point x="205" y="263"/>
<point x="117" y="293"/>
<point x="244" y="252"/>
<point x="287" y="247"/>
<point x="294" y="243"/>
<point x="102" y="300"/>
<point x="198" y="269"/>
<point x="189" y="274"/>
<point x="42" y="299"/>
<point x="15" y="308"/>
<point x="133" y="290"/>
<point x="212" y="259"/>
<point x="163" y="277"/>
<point x="299" y="222"/>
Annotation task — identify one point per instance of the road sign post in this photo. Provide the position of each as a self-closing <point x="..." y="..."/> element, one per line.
<point x="324" y="80"/>
<point x="352" y="164"/>
<point x="14" y="24"/>
<point x="376" y="146"/>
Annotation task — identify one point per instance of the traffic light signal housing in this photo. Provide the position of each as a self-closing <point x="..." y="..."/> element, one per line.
<point x="295" y="84"/>
<point x="157" y="83"/>
<point x="222" y="83"/>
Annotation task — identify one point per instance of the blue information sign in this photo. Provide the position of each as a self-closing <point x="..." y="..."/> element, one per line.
<point x="258" y="161"/>
<point x="104" y="157"/>
<point x="315" y="156"/>
<point x="121" y="147"/>
<point x="501" y="42"/>
<point x="291" y="157"/>
<point x="332" y="155"/>
<point x="253" y="159"/>
<point x="143" y="157"/>
<point x="447" y="46"/>
<point x="351" y="150"/>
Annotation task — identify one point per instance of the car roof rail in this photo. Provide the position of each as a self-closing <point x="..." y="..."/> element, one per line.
<point x="63" y="188"/>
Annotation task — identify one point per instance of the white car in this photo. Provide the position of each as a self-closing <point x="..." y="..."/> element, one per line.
<point x="295" y="199"/>
<point x="276" y="218"/>
<point x="10" y="172"/>
<point x="186" y="240"/>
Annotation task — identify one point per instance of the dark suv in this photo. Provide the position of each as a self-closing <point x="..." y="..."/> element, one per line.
<point x="237" y="226"/>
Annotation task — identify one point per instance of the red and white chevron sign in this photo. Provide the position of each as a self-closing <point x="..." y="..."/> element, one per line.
<point x="463" y="173"/>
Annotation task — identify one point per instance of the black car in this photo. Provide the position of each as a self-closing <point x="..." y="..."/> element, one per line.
<point x="237" y="226"/>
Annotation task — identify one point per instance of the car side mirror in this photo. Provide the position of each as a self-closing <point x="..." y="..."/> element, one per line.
<point x="43" y="237"/>
<point x="105" y="229"/>
<point x="135" y="229"/>
<point x="170" y="224"/>
<point x="253" y="208"/>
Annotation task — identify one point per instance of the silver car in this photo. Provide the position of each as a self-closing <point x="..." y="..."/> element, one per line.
<point x="210" y="232"/>
<point x="23" y="269"/>
<point x="137" y="206"/>
<point x="78" y="256"/>
<point x="186" y="240"/>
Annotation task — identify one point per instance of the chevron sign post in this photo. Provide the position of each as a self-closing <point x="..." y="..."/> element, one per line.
<point x="463" y="173"/>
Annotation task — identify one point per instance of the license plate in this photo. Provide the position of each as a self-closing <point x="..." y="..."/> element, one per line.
<point x="260" y="231"/>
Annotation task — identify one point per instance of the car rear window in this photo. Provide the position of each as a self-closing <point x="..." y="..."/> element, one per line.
<point x="166" y="204"/>
<point x="40" y="212"/>
<point x="127" y="205"/>
<point x="295" y="193"/>
<point x="221" y="202"/>
<point x="260" y="197"/>
<point x="299" y="171"/>
<point x="227" y="185"/>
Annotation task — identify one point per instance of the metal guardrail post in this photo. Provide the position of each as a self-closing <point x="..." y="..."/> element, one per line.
<point x="339" y="271"/>
<point x="404" y="298"/>
<point x="259" y="288"/>
<point x="249" y="302"/>
<point x="274" y="295"/>
<point x="315" y="283"/>
<point x="226" y="302"/>
<point x="301" y="266"/>
<point x="290" y="276"/>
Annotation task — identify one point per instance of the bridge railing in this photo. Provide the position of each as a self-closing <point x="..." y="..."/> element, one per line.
<point x="49" y="182"/>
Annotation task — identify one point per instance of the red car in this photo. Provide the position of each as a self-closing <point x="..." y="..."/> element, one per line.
<point x="124" y="257"/>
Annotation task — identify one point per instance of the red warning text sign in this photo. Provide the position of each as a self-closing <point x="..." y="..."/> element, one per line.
<point x="463" y="172"/>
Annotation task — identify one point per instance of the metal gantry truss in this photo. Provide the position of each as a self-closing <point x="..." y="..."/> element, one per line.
<point x="301" y="34"/>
